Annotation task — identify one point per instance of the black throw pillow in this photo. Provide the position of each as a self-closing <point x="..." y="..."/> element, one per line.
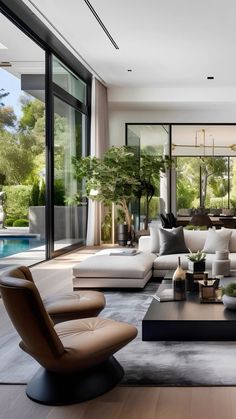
<point x="172" y="242"/>
<point x="165" y="223"/>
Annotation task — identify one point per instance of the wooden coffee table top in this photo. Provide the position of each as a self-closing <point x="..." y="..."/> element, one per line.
<point x="189" y="310"/>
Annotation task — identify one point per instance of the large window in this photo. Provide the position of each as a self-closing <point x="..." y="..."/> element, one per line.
<point x="22" y="147"/>
<point x="44" y="121"/>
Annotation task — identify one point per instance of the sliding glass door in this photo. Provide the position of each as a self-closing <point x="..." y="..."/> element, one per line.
<point x="69" y="141"/>
<point x="70" y="114"/>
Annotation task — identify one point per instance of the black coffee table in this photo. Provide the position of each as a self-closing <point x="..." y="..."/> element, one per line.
<point x="188" y="320"/>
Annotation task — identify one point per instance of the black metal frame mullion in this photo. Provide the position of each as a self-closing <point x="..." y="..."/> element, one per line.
<point x="49" y="157"/>
<point x="170" y="170"/>
<point x="69" y="99"/>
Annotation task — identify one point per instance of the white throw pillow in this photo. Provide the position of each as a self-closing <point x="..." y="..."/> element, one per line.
<point x="155" y="241"/>
<point x="216" y="240"/>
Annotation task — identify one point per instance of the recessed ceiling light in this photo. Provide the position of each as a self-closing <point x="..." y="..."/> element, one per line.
<point x="2" y="46"/>
<point x="210" y="77"/>
<point x="129" y="70"/>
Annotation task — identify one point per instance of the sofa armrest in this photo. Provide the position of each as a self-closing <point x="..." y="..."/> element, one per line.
<point x="144" y="244"/>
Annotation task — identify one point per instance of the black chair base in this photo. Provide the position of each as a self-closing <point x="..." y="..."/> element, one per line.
<point x="61" y="389"/>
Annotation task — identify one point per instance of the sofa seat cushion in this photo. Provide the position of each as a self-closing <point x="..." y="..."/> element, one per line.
<point x="170" y="262"/>
<point x="105" y="265"/>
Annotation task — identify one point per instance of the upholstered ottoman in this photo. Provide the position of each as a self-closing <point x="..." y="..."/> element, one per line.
<point x="105" y="270"/>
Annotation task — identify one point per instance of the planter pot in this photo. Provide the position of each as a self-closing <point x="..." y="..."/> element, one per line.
<point x="229" y="302"/>
<point x="197" y="266"/>
<point x="122" y="234"/>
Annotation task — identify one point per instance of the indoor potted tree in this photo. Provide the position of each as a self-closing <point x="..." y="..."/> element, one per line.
<point x="113" y="178"/>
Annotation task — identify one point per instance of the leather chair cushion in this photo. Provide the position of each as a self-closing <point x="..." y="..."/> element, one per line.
<point x="74" y="305"/>
<point x="88" y="342"/>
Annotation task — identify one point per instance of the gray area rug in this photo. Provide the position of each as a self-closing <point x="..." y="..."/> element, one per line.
<point x="145" y="363"/>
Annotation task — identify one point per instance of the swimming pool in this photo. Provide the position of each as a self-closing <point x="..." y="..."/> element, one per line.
<point x="10" y="245"/>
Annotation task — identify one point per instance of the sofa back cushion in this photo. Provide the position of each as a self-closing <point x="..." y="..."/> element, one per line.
<point x="217" y="240"/>
<point x="195" y="239"/>
<point x="232" y="241"/>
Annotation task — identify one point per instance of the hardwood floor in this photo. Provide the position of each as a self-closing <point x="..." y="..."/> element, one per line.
<point x="128" y="403"/>
<point x="121" y="402"/>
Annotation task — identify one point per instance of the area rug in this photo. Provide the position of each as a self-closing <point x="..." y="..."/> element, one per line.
<point x="145" y="363"/>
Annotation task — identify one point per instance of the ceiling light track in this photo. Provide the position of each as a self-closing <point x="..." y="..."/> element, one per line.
<point x="101" y="24"/>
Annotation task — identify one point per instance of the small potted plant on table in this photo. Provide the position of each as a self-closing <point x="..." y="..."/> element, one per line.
<point x="229" y="296"/>
<point x="197" y="261"/>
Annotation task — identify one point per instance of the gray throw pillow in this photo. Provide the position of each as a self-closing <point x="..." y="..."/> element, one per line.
<point x="172" y="241"/>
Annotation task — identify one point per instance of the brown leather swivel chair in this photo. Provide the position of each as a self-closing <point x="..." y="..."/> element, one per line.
<point x="76" y="355"/>
<point x="69" y="306"/>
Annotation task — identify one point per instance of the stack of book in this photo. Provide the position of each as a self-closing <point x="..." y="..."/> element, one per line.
<point x="124" y="252"/>
<point x="164" y="293"/>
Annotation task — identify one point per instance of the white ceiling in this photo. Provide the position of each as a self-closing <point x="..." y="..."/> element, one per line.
<point x="25" y="56"/>
<point x="171" y="46"/>
<point x="166" y="43"/>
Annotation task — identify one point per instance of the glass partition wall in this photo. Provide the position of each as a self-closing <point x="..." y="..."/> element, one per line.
<point x="203" y="173"/>
<point x="150" y="139"/>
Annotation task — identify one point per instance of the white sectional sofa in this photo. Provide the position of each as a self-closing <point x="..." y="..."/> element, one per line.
<point x="195" y="240"/>
<point x="104" y="270"/>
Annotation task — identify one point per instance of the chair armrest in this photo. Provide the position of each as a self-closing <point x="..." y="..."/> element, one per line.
<point x="144" y="244"/>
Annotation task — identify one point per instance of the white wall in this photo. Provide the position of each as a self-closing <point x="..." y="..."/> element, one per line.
<point x="118" y="118"/>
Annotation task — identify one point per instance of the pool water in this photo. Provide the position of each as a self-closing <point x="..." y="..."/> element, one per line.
<point x="12" y="245"/>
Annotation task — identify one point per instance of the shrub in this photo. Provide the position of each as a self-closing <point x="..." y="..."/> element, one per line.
<point x="42" y="194"/>
<point x="34" y="196"/>
<point x="9" y="222"/>
<point x="21" y="223"/>
<point x="218" y="202"/>
<point x="193" y="227"/>
<point x="59" y="192"/>
<point x="17" y="200"/>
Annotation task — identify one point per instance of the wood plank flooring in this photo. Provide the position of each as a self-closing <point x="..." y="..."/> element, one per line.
<point x="122" y="402"/>
<point x="128" y="403"/>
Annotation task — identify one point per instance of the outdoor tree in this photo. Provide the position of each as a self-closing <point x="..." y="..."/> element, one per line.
<point x="211" y="166"/>
<point x="187" y="181"/>
<point x="16" y="160"/>
<point x="151" y="169"/>
<point x="7" y="115"/>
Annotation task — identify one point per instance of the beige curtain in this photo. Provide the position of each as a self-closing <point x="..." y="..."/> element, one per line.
<point x="99" y="144"/>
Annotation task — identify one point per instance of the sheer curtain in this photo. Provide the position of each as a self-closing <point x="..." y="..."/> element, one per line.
<point x="99" y="144"/>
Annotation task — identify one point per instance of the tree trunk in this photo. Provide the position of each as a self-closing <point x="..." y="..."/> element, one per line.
<point x="203" y="191"/>
<point x="127" y="214"/>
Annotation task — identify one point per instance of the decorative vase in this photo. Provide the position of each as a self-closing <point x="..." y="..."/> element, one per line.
<point x="229" y="302"/>
<point x="179" y="283"/>
<point x="197" y="266"/>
